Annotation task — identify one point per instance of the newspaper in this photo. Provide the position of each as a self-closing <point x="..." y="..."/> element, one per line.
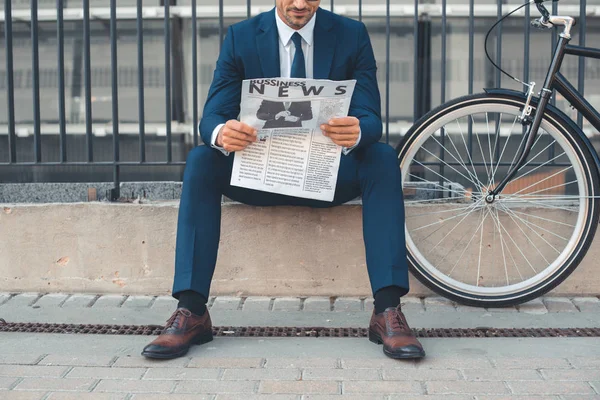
<point x="291" y="155"/>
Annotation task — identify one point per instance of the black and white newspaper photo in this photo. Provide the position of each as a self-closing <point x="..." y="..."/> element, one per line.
<point x="291" y="155"/>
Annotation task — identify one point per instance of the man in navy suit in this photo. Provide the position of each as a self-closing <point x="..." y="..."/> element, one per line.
<point x="299" y="40"/>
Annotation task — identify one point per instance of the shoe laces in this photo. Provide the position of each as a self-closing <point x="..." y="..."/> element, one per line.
<point x="176" y="320"/>
<point x="396" y="320"/>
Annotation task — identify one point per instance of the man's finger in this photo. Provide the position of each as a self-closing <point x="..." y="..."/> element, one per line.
<point x="235" y="142"/>
<point x="343" y="136"/>
<point x="341" y="129"/>
<point x="229" y="133"/>
<point x="343" y="121"/>
<point x="241" y="127"/>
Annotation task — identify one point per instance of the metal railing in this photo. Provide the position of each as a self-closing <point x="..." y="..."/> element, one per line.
<point x="433" y="76"/>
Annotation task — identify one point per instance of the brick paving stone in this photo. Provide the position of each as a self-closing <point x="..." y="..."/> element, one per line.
<point x="22" y="300"/>
<point x="464" y="308"/>
<point x="51" y="300"/>
<point x="138" y="302"/>
<point x="412" y="305"/>
<point x="164" y="396"/>
<point x="302" y="363"/>
<point x="587" y="304"/>
<point x="381" y="387"/>
<point x="257" y="303"/>
<point x="32" y="370"/>
<point x="464" y="387"/>
<point x="19" y="359"/>
<point x="585" y="362"/>
<point x="579" y="397"/>
<point x="529" y="363"/>
<point x="433" y="362"/>
<point x="50" y="384"/>
<point x="571" y="374"/>
<point x="439" y="304"/>
<point x="134" y="386"/>
<point x="383" y="362"/>
<point x="286" y="304"/>
<point x="109" y="301"/>
<point x="548" y="387"/>
<point x="317" y="304"/>
<point x="78" y="301"/>
<point x="4" y="297"/>
<point x="226" y="303"/>
<point x="493" y="374"/>
<point x="205" y="362"/>
<point x="106" y="373"/>
<point x="299" y="387"/>
<point x="257" y="374"/>
<point x="342" y="397"/>
<point x="432" y="397"/>
<point x="182" y="373"/>
<point x="510" y="309"/>
<point x="559" y="304"/>
<point x="165" y="302"/>
<point x="347" y="304"/>
<point x="6" y="382"/>
<point x="77" y="361"/>
<point x="216" y="387"/>
<point x="517" y="397"/>
<point x="16" y="395"/>
<point x="535" y="306"/>
<point x="596" y="386"/>
<point x="139" y="361"/>
<point x="368" y="305"/>
<point x="420" y="375"/>
<point x="326" y="374"/>
<point x="233" y="396"/>
<point x="86" y="396"/>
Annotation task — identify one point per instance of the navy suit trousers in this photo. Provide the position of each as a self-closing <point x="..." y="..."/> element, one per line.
<point x="371" y="172"/>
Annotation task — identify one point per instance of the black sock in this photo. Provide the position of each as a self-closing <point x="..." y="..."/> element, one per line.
<point x="388" y="296"/>
<point x="193" y="301"/>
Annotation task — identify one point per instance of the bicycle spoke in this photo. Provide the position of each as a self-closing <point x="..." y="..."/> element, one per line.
<point x="482" y="154"/>
<point x="510" y="252"/>
<point x="518" y="248"/>
<point x="539" y="166"/>
<point x="449" y="219"/>
<point x="470" y="180"/>
<point x="544" y="219"/>
<point x="455" y="226"/>
<point x="437" y="212"/>
<point x="545" y="179"/>
<point x="468" y="153"/>
<point x="501" y="245"/>
<point x="443" y="177"/>
<point x="443" y="188"/>
<point x="461" y="162"/>
<point x="505" y="144"/>
<point x="467" y="246"/>
<point x="528" y="224"/>
<point x="543" y="190"/>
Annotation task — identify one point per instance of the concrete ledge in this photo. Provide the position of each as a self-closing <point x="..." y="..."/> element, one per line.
<point x="101" y="247"/>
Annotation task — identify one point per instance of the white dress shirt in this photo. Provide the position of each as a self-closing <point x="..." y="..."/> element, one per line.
<point x="287" y="50"/>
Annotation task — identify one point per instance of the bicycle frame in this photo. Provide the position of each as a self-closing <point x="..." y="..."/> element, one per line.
<point x="554" y="81"/>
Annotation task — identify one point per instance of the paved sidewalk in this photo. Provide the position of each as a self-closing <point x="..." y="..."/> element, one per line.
<point x="102" y="367"/>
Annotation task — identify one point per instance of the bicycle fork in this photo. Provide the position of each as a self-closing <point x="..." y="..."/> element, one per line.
<point x="531" y="134"/>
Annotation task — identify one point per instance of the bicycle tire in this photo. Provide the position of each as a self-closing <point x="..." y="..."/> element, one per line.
<point x="555" y="120"/>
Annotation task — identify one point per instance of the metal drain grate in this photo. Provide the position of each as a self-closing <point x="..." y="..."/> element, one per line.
<point x="272" y="331"/>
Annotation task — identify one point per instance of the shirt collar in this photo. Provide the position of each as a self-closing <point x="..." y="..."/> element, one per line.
<point x="285" y="32"/>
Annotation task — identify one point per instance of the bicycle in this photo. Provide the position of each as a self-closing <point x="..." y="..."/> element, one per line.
<point x="489" y="242"/>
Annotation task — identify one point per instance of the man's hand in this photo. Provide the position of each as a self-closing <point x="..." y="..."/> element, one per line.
<point x="292" y="118"/>
<point x="342" y="131"/>
<point x="235" y="136"/>
<point x="282" y="114"/>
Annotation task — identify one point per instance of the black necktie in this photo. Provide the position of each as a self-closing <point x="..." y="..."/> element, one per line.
<point x="298" y="68"/>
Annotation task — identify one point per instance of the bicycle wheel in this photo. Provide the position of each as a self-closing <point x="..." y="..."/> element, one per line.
<point x="531" y="237"/>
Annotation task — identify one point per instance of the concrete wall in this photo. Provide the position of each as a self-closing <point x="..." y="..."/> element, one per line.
<point x="129" y="248"/>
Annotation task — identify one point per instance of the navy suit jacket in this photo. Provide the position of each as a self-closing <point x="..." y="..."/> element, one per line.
<point x="342" y="50"/>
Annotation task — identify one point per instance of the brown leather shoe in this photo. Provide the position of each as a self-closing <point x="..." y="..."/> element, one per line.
<point x="391" y="329"/>
<point x="181" y="331"/>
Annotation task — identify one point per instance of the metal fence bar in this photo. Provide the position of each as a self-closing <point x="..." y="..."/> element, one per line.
<point x="416" y="60"/>
<point x="10" y="82"/>
<point x="115" y="97"/>
<point x="499" y="44"/>
<point x="471" y="67"/>
<point x="195" y="71"/>
<point x="387" y="72"/>
<point x="60" y="37"/>
<point x="443" y="89"/>
<point x="221" y="23"/>
<point x="360" y="10"/>
<point x="581" y="77"/>
<point x="35" y="62"/>
<point x="168" y="78"/>
<point x="87" y="77"/>
<point x="554" y="41"/>
<point x="140" y="65"/>
<point x="248" y="8"/>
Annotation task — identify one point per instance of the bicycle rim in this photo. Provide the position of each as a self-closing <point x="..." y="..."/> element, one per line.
<point x="517" y="245"/>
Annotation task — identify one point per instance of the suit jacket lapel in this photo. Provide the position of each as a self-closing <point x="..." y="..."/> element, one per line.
<point x="324" y="41"/>
<point x="267" y="43"/>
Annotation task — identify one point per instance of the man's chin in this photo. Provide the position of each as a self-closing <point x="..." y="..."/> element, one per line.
<point x="298" y="22"/>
